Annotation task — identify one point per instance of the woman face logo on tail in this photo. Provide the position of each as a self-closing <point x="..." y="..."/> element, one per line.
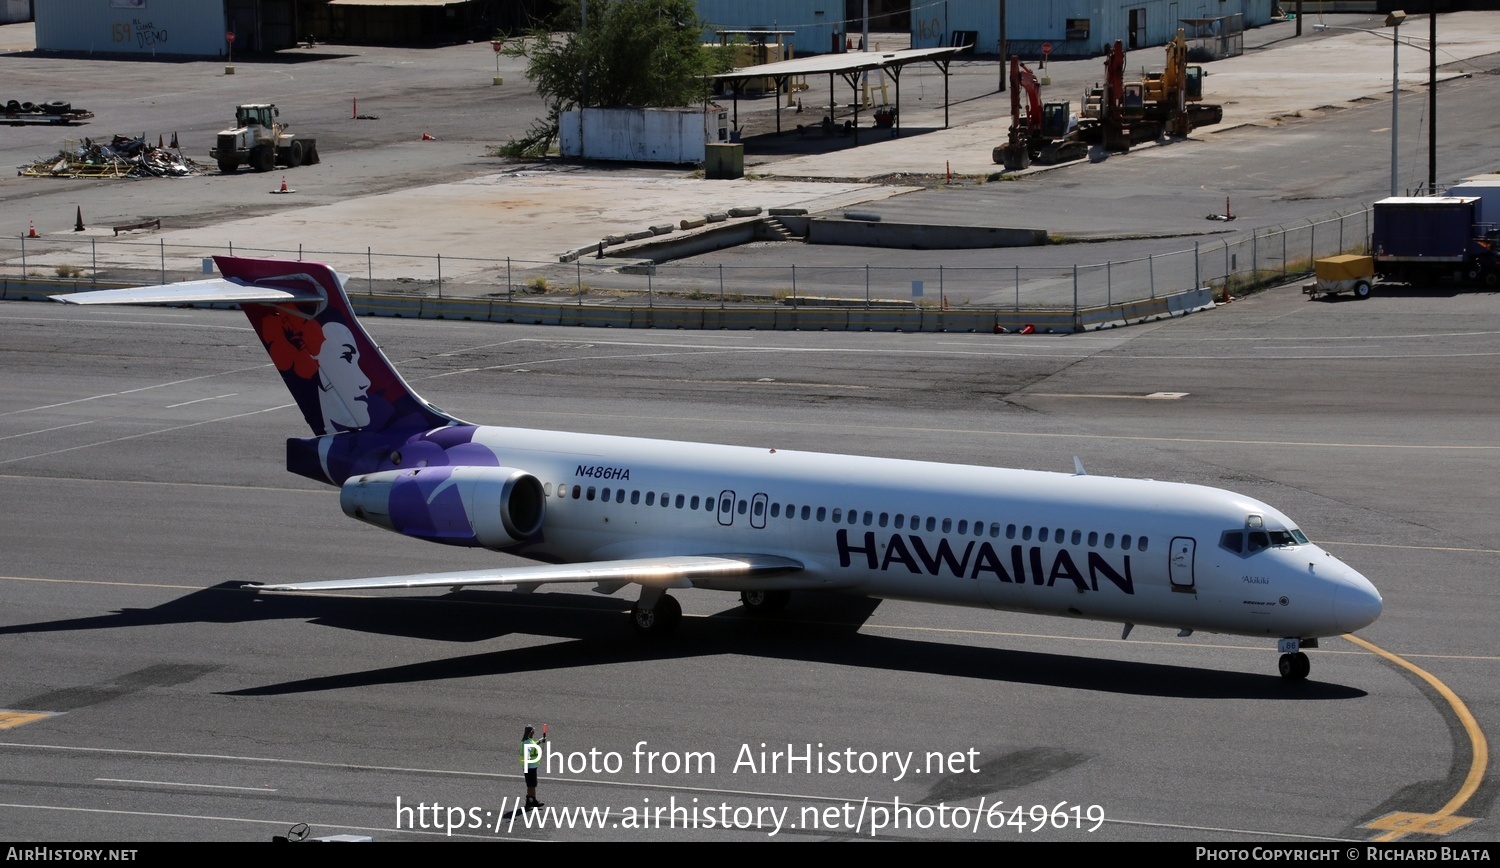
<point x="342" y="387"/>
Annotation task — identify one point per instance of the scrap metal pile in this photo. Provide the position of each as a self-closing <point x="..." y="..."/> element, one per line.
<point x="123" y="157"/>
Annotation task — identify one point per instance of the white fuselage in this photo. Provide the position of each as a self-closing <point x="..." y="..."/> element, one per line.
<point x="1125" y="550"/>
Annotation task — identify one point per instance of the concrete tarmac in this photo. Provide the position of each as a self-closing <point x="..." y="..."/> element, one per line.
<point x="148" y="698"/>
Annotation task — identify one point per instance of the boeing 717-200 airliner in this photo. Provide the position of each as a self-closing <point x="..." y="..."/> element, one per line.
<point x="615" y="511"/>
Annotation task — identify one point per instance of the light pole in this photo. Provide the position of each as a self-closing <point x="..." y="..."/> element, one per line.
<point x="1393" y="21"/>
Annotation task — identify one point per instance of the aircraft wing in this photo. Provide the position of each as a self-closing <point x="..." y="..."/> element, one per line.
<point x="212" y="290"/>
<point x="661" y="572"/>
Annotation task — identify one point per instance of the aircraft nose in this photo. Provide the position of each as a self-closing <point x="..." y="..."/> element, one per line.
<point x="1356" y="603"/>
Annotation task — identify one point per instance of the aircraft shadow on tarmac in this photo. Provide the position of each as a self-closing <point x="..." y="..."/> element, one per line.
<point x="820" y="629"/>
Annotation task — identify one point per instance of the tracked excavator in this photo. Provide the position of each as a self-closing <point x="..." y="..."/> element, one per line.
<point x="1046" y="134"/>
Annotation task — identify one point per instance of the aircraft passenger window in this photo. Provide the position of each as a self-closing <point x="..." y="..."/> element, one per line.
<point x="854" y="516"/>
<point x="979" y="528"/>
<point x="760" y="508"/>
<point x="1026" y="532"/>
<point x="869" y="517"/>
<point x="822" y="512"/>
<point x="1140" y="544"/>
<point x="995" y="529"/>
<point x="1093" y="538"/>
<point x="1109" y="540"/>
<point x="546" y="489"/>
<point x="776" y="510"/>
<point x="1010" y="531"/>
<point x="708" y="504"/>
<point x="883" y="517"/>
<point x="591" y="492"/>
<point x="1125" y="541"/>
<point x="838" y="515"/>
<point x="916" y="522"/>
<point x="806" y="511"/>
<point x="931" y="523"/>
<point x="947" y="525"/>
<point x="1077" y="537"/>
<point x="650" y="498"/>
<point x="963" y="525"/>
<point x="680" y="500"/>
<point x="900" y="520"/>
<point x="1041" y="534"/>
<point x="743" y="505"/>
<point x="635" y="497"/>
<point x="577" y="491"/>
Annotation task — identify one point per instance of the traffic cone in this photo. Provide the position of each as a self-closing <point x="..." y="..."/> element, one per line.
<point x="78" y="227"/>
<point x="353" y="115"/>
<point x="158" y="140"/>
<point x="427" y="138"/>
<point x="31" y="232"/>
<point x="174" y="144"/>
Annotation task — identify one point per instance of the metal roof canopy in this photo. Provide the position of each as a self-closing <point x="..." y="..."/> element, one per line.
<point x="849" y="66"/>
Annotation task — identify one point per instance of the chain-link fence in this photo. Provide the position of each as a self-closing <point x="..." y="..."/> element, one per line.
<point x="1239" y="261"/>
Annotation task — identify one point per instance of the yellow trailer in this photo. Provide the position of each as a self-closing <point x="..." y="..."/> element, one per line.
<point x="1336" y="274"/>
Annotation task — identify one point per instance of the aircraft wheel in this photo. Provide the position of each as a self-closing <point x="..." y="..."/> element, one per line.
<point x="659" y="620"/>
<point x="1294" y="667"/>
<point x="765" y="601"/>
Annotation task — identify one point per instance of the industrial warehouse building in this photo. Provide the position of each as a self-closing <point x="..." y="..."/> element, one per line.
<point x="1072" y="28"/>
<point x="198" y="28"/>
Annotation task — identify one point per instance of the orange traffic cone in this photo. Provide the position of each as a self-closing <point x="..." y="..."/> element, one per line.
<point x="31" y="233"/>
<point x="427" y="138"/>
<point x="283" y="184"/>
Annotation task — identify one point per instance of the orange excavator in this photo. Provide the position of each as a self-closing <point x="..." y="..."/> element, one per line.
<point x="1045" y="134"/>
<point x="1120" y="113"/>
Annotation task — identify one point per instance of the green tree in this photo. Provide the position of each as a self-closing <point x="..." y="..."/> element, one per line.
<point x="640" y="53"/>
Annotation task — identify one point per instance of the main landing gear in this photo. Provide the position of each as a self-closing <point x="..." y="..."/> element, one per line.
<point x="761" y="602"/>
<point x="655" y="614"/>
<point x="1294" y="664"/>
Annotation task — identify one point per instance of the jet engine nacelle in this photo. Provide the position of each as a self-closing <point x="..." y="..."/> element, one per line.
<point x="489" y="507"/>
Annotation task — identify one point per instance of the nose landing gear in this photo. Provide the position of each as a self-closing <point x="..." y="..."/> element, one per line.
<point x="1294" y="664"/>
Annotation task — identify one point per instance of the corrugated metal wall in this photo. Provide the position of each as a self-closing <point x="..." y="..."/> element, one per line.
<point x="14" y="11"/>
<point x="1075" y="28"/>
<point x="157" y="27"/>
<point x="819" y="24"/>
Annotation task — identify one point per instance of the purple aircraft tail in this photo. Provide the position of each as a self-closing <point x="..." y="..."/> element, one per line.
<point x="339" y="378"/>
<point x="362" y="414"/>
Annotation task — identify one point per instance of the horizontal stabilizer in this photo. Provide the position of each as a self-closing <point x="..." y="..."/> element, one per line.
<point x="214" y="290"/>
<point x="662" y="572"/>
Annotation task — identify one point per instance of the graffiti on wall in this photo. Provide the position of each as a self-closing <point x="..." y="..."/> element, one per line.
<point x="141" y="34"/>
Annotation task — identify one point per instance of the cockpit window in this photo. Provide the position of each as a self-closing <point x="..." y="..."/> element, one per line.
<point x="1248" y="542"/>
